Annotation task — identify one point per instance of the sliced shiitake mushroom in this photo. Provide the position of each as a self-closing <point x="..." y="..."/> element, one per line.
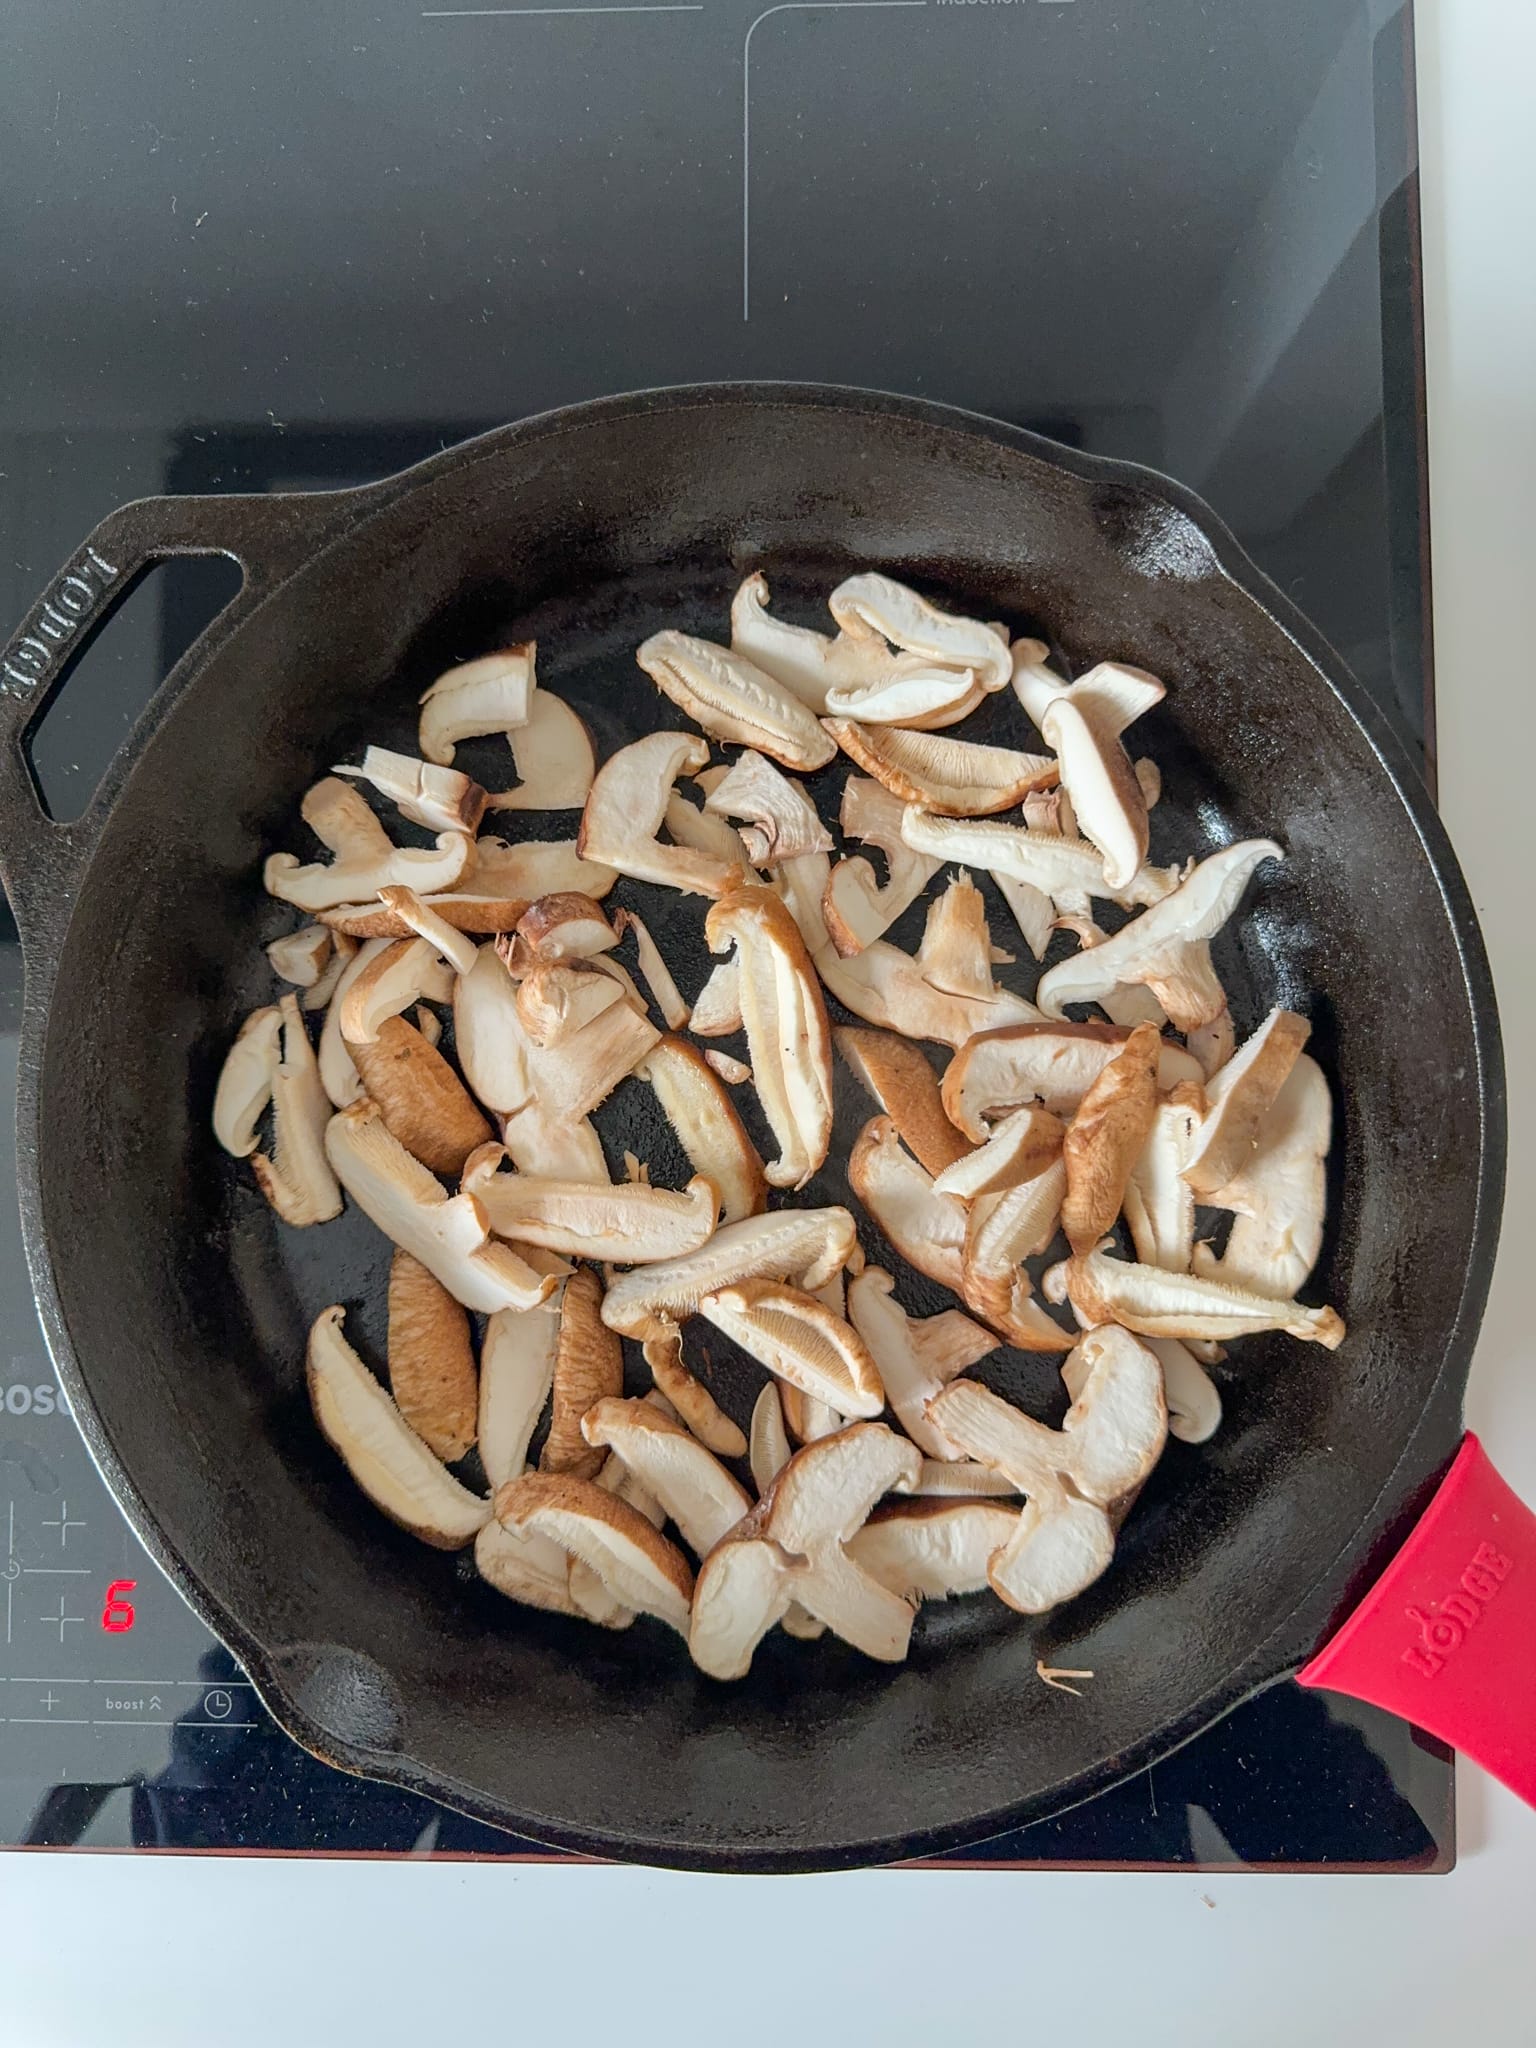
<point x="734" y="700"/>
<point x="928" y="1229"/>
<point x="1105" y="1138"/>
<point x="1159" y="1203"/>
<point x="887" y="987"/>
<point x="935" y="1548"/>
<point x="1018" y="1148"/>
<point x="1083" y="722"/>
<point x="655" y="971"/>
<point x="779" y="821"/>
<point x="625" y="810"/>
<point x="527" y="869"/>
<point x="799" y="1341"/>
<point x="517" y="1370"/>
<point x="1054" y="1064"/>
<point x="788" y="1038"/>
<point x="706" y="1124"/>
<point x="383" y="1453"/>
<point x="790" y="1549"/>
<point x="1075" y="1477"/>
<point x="1159" y="1304"/>
<point x="806" y="663"/>
<point x="957" y="955"/>
<point x="692" y="1486"/>
<point x="1058" y="867"/>
<point x="1239" y="1098"/>
<point x="1279" y="1196"/>
<point x="421" y="1099"/>
<point x="565" y="925"/>
<point x="245" y="1081"/>
<point x="900" y="1078"/>
<point x="535" y="1572"/>
<point x="297" y="1178"/>
<point x="441" y="799"/>
<point x="769" y="1449"/>
<point x="552" y="754"/>
<point x="431" y="1361"/>
<point x="492" y="694"/>
<point x="558" y="998"/>
<point x="589" y="1366"/>
<point x="870" y="603"/>
<point x="857" y="909"/>
<point x="1001" y="1232"/>
<point x="916" y="1357"/>
<point x="696" y="1406"/>
<point x="388" y="982"/>
<point x="467" y="908"/>
<point x="635" y="1563"/>
<point x="419" y="917"/>
<point x="956" y="777"/>
<point x="632" y="1222"/>
<point x="367" y="860"/>
<point x="1167" y="948"/>
<point x="803" y="1245"/>
<point x="450" y="1235"/>
<point x="302" y="956"/>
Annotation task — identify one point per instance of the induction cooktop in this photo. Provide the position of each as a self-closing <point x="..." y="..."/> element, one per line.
<point x="287" y="247"/>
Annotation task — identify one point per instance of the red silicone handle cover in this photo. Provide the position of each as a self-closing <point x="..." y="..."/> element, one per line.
<point x="1447" y="1635"/>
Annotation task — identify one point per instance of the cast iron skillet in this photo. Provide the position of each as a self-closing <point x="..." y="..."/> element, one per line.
<point x="176" y="1307"/>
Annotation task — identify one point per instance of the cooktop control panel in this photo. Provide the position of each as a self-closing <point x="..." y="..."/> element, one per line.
<point x="99" y="1655"/>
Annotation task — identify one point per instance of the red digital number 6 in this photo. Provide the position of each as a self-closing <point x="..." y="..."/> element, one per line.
<point x="117" y="1615"/>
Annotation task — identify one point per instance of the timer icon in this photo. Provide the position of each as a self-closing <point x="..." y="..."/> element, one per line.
<point x="217" y="1705"/>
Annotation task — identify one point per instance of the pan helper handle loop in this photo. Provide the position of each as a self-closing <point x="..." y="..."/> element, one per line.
<point x="1447" y="1636"/>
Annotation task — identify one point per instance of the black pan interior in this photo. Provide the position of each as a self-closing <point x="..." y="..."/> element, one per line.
<point x="186" y="1305"/>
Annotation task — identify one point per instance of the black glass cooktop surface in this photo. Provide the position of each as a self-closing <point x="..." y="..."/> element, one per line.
<point x="287" y="247"/>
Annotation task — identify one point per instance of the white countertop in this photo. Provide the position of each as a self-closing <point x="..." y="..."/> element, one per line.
<point x="166" y="1951"/>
